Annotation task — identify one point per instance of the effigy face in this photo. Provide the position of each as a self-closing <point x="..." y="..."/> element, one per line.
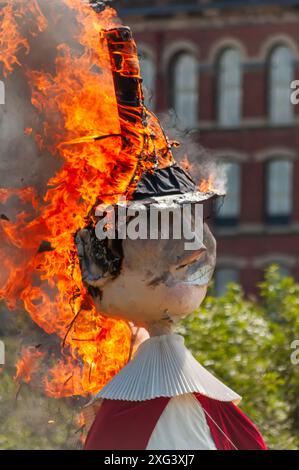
<point x="159" y="280"/>
<point x="152" y="282"/>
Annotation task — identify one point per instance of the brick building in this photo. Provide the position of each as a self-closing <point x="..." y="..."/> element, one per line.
<point x="226" y="68"/>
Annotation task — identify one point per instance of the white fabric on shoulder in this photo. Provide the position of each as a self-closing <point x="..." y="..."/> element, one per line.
<point x="182" y="426"/>
<point x="163" y="367"/>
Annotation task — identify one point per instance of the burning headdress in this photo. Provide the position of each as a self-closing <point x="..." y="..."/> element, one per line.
<point x="81" y="104"/>
<point x="58" y="78"/>
<point x="154" y="176"/>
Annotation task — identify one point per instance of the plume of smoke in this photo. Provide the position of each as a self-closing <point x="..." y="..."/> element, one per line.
<point x="22" y="163"/>
<point x="28" y="419"/>
<point x="199" y="161"/>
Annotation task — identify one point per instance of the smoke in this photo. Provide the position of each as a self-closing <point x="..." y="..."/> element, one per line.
<point x="22" y="162"/>
<point x="28" y="419"/>
<point x="197" y="160"/>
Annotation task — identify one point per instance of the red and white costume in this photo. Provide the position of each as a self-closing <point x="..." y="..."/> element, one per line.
<point x="165" y="400"/>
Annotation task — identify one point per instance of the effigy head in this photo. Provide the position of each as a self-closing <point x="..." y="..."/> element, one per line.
<point x="150" y="281"/>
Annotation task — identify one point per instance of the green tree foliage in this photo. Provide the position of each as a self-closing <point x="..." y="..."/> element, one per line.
<point x="244" y="342"/>
<point x="247" y="344"/>
<point x="29" y="419"/>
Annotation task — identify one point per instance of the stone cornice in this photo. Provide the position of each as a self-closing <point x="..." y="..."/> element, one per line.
<point x="219" y="19"/>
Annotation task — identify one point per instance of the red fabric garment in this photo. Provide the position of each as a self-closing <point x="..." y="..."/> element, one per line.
<point x="230" y="427"/>
<point x="125" y="425"/>
<point x="128" y="425"/>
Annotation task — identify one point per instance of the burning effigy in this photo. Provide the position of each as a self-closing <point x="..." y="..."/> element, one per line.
<point x="119" y="249"/>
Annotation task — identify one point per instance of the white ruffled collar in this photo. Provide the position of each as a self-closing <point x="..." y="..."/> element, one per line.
<point x="163" y="367"/>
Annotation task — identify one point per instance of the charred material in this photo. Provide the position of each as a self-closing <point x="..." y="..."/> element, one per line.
<point x="142" y="136"/>
<point x="164" y="182"/>
<point x="98" y="5"/>
<point x="99" y="259"/>
<point x="126" y="77"/>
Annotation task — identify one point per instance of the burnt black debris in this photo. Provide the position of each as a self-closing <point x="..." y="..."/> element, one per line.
<point x="98" y="259"/>
<point x="164" y="182"/>
<point x="99" y="5"/>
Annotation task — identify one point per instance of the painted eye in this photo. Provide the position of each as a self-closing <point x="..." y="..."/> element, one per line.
<point x="191" y="257"/>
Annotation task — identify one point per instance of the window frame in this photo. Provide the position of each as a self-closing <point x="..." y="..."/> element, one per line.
<point x="173" y="88"/>
<point x="220" y="90"/>
<point x="231" y="221"/>
<point x="270" y="96"/>
<point x="277" y="219"/>
<point x="232" y="268"/>
<point x="145" y="55"/>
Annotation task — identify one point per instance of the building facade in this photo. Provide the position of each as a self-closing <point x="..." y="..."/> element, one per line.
<point x="226" y="69"/>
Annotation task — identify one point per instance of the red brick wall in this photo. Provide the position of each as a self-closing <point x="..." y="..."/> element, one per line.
<point x="247" y="140"/>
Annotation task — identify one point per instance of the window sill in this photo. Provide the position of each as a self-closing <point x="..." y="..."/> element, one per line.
<point x="257" y="229"/>
<point x="247" y="124"/>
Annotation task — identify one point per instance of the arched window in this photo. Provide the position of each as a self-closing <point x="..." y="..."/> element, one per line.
<point x="279" y="189"/>
<point x="228" y="210"/>
<point x="281" y="74"/>
<point x="185" y="77"/>
<point x="148" y="74"/>
<point x="223" y="277"/>
<point x="229" y="88"/>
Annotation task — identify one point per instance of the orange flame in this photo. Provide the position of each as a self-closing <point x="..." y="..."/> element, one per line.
<point x="207" y="185"/>
<point x="11" y="39"/>
<point x="77" y="104"/>
<point x="28" y="365"/>
<point x="185" y="163"/>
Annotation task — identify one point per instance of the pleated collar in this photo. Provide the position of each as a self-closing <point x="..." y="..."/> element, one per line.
<point x="164" y="367"/>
